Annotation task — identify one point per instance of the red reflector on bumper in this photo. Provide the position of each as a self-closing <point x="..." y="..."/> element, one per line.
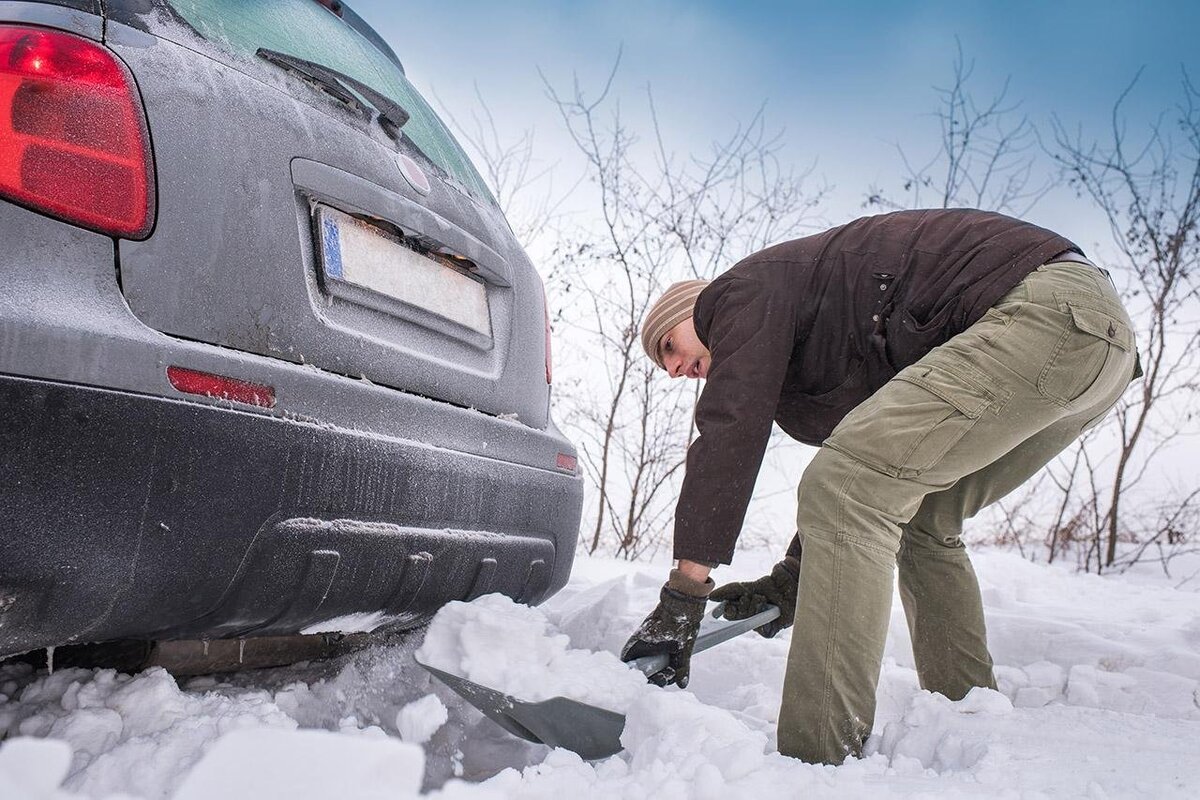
<point x="191" y="381"/>
<point x="566" y="462"/>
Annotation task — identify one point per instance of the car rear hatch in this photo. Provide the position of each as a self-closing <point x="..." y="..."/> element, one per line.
<point x="301" y="216"/>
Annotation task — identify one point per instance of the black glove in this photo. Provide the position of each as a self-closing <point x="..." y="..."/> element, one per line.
<point x="671" y="629"/>
<point x="745" y="599"/>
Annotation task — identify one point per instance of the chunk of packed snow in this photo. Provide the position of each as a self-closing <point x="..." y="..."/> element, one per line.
<point x="271" y="764"/>
<point x="420" y="719"/>
<point x="983" y="701"/>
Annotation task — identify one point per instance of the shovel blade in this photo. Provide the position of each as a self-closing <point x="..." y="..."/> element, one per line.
<point x="590" y="731"/>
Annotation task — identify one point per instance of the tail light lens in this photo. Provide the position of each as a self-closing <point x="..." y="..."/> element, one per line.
<point x="73" y="136"/>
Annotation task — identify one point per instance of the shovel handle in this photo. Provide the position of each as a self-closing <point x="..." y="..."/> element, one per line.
<point x="648" y="665"/>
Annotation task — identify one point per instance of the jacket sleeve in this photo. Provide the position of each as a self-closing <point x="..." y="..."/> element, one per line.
<point x="794" y="547"/>
<point x="750" y="335"/>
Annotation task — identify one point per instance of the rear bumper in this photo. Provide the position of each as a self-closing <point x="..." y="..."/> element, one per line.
<point x="134" y="516"/>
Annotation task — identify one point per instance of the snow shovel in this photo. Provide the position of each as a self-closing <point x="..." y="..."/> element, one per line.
<point x="590" y="731"/>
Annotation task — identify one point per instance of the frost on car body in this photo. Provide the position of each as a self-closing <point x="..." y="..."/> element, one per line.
<point x="214" y="430"/>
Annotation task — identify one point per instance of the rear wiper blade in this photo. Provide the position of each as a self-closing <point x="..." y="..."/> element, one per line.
<point x="326" y="82"/>
<point x="391" y="115"/>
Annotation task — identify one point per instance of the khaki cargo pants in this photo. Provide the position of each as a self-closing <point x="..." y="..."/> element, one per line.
<point x="957" y="430"/>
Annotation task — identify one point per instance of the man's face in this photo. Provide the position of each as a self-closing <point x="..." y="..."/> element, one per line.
<point x="682" y="353"/>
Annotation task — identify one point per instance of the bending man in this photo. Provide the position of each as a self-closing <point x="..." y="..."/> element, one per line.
<point x="938" y="359"/>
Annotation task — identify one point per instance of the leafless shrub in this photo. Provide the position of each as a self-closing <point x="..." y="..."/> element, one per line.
<point x="1114" y="502"/>
<point x="662" y="217"/>
<point x="985" y="158"/>
<point x="1149" y="193"/>
<point x="522" y="183"/>
<point x="1104" y="503"/>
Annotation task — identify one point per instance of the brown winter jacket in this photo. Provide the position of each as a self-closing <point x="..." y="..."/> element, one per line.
<point x="802" y="332"/>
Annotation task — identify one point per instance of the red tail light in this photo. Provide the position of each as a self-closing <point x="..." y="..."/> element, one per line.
<point x="73" y="137"/>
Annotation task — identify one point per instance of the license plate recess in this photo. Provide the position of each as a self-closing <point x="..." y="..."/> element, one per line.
<point x="366" y="264"/>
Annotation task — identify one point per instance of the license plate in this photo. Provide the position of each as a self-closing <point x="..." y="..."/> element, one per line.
<point x="358" y="254"/>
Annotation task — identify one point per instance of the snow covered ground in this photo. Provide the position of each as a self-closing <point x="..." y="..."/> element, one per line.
<point x="1099" y="698"/>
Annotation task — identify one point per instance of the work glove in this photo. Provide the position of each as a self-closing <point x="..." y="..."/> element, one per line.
<point x="671" y="628"/>
<point x="747" y="598"/>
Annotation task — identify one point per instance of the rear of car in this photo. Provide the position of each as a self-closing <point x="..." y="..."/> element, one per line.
<point x="271" y="360"/>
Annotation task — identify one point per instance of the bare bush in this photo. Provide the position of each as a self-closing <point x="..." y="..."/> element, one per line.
<point x="1107" y="502"/>
<point x="1149" y="193"/>
<point x="985" y="158"/>
<point x="522" y="184"/>
<point x="662" y="217"/>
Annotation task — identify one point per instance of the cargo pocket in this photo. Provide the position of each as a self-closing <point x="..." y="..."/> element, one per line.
<point x="992" y="325"/>
<point x="910" y="424"/>
<point x="1092" y="337"/>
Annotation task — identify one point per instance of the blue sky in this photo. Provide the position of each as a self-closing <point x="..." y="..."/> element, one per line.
<point x="847" y="81"/>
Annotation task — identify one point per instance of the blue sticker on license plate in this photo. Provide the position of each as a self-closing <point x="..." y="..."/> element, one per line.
<point x="331" y="242"/>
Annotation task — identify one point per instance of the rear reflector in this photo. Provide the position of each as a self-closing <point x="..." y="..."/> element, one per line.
<point x="566" y="462"/>
<point x="73" y="137"/>
<point x="191" y="381"/>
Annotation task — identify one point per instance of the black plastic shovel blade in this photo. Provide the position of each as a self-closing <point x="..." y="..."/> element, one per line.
<point x="590" y="731"/>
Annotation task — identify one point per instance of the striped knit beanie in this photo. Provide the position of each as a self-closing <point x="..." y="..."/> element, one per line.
<point x="672" y="308"/>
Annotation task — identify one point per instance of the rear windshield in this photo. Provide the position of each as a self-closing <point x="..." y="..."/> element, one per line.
<point x="306" y="29"/>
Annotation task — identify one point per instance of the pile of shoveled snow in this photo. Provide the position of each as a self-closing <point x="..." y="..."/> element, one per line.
<point x="1099" y="680"/>
<point x="514" y="649"/>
